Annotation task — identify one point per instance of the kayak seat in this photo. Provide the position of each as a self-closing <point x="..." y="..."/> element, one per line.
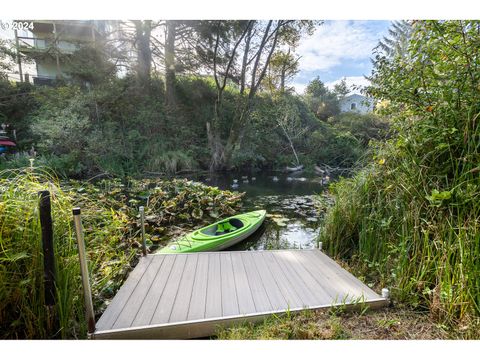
<point x="228" y="226"/>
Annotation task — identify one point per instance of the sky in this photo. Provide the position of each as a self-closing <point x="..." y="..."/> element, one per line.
<point x="338" y="49"/>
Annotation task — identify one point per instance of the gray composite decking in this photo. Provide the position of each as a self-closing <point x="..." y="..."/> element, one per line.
<point x="192" y="295"/>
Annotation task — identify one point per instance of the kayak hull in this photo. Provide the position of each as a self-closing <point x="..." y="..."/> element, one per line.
<point x="209" y="238"/>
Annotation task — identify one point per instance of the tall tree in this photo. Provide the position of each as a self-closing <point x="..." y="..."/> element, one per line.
<point x="321" y="101"/>
<point x="143" y="30"/>
<point x="397" y="41"/>
<point x="171" y="28"/>
<point x="6" y="59"/>
<point x="242" y="52"/>
<point x="341" y="89"/>
<point x="316" y="88"/>
<point x="283" y="66"/>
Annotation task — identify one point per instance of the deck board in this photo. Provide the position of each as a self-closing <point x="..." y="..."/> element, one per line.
<point x="149" y="304"/>
<point x="116" y="306"/>
<point x="297" y="283"/>
<point x="132" y="306"/>
<point x="190" y="295"/>
<point x="229" y="290"/>
<point x="288" y="291"/>
<point x="199" y="291"/>
<point x="246" y="305"/>
<point x="184" y="294"/>
<point x="259" y="295"/>
<point x="214" y="287"/>
<point x="269" y="283"/>
<point x="340" y="272"/>
<point x="167" y="300"/>
<point x="296" y="264"/>
<point x="332" y="287"/>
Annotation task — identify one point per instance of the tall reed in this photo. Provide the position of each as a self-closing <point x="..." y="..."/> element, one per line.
<point x="412" y="228"/>
<point x="22" y="310"/>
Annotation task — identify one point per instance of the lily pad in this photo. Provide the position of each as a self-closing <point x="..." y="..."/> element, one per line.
<point x="280" y="220"/>
<point x="214" y="214"/>
<point x="197" y="213"/>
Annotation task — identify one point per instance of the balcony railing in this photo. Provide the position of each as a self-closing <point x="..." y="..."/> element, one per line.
<point x="45" y="80"/>
<point x="43" y="45"/>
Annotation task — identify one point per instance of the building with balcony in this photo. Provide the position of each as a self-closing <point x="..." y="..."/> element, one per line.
<point x="50" y="44"/>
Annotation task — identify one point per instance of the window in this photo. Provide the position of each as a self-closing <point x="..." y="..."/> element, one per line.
<point x="353" y="106"/>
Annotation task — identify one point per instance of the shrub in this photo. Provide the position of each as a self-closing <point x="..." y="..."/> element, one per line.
<point x="412" y="216"/>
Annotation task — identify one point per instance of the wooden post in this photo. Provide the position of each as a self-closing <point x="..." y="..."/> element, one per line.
<point x="19" y="59"/>
<point x="87" y="292"/>
<point x="142" y="224"/>
<point x="47" y="244"/>
<point x="45" y="210"/>
<point x="57" y="50"/>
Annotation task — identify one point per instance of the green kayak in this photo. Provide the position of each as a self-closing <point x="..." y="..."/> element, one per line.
<point x="218" y="236"/>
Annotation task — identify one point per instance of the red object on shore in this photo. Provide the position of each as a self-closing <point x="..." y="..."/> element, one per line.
<point x="7" y="143"/>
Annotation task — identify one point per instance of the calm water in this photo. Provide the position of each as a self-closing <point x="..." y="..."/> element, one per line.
<point x="292" y="217"/>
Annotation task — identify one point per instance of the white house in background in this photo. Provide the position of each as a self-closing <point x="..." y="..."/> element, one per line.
<point x="356" y="103"/>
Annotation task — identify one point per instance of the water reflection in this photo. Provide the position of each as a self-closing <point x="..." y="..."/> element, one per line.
<point x="267" y="183"/>
<point x="290" y="201"/>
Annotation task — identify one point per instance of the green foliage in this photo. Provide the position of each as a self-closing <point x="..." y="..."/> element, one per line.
<point x="90" y="64"/>
<point x="364" y="127"/>
<point x="333" y="147"/>
<point x="316" y="88"/>
<point x="265" y="143"/>
<point x="397" y="42"/>
<point x="115" y="127"/>
<point x="22" y="313"/>
<point x="283" y="66"/>
<point x="16" y="102"/>
<point x="410" y="219"/>
<point x="320" y="100"/>
<point x="341" y="89"/>
<point x="181" y="201"/>
<point x="6" y="59"/>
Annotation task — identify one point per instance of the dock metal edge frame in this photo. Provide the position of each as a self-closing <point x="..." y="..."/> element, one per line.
<point x="206" y="327"/>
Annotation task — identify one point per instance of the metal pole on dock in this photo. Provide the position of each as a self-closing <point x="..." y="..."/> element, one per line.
<point x="87" y="292"/>
<point x="45" y="211"/>
<point x="142" y="224"/>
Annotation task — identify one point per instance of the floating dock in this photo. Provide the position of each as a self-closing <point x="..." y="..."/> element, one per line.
<point x="182" y="296"/>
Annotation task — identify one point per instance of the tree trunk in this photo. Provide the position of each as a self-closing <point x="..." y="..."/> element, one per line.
<point x="290" y="141"/>
<point x="217" y="160"/>
<point x="170" y="63"/>
<point x="144" y="53"/>
<point x="222" y="154"/>
<point x="282" y="78"/>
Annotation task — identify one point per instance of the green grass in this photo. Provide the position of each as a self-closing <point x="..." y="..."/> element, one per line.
<point x="398" y="322"/>
<point x="287" y="326"/>
<point x="22" y="310"/>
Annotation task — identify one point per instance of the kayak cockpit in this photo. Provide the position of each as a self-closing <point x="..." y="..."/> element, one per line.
<point x="222" y="228"/>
